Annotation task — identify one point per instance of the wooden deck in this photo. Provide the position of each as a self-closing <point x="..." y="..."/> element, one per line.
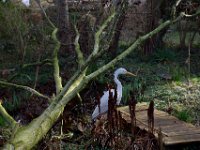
<point x="173" y="130"/>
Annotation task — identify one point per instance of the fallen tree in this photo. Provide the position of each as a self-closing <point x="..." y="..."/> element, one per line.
<point x="27" y="136"/>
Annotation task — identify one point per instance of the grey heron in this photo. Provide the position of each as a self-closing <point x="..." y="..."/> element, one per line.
<point x="104" y="99"/>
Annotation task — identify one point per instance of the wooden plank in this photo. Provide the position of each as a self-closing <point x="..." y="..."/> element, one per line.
<point x="180" y="127"/>
<point x="174" y="130"/>
<point x="181" y="139"/>
<point x="171" y="134"/>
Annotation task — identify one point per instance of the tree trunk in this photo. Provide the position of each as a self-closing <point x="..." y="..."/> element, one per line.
<point x="153" y="16"/>
<point x="119" y="25"/>
<point x="115" y="41"/>
<point x="182" y="27"/>
<point x="65" y="32"/>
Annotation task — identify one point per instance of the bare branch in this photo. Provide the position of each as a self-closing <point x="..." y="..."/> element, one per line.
<point x="45" y="61"/>
<point x="9" y="119"/>
<point x="178" y="2"/>
<point x="24" y="88"/>
<point x="57" y="78"/>
<point x="45" y="14"/>
<point x="77" y="48"/>
<point x="193" y="15"/>
<point x="99" y="32"/>
<point x="174" y="8"/>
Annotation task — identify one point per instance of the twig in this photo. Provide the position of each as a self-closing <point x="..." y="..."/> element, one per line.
<point x="25" y="88"/>
<point x="178" y="2"/>
<point x="40" y="63"/>
<point x="193" y="15"/>
<point x="37" y="73"/>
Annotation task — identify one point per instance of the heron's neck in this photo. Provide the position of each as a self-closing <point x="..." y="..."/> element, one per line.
<point x="119" y="88"/>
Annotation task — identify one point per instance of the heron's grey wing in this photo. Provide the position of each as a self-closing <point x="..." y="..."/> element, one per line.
<point x="97" y="113"/>
<point x="103" y="105"/>
<point x="105" y="97"/>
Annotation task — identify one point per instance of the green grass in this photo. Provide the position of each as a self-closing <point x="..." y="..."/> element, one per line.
<point x="172" y="39"/>
<point x="183" y="115"/>
<point x="178" y="73"/>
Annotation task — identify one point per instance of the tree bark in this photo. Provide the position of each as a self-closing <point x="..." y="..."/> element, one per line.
<point x="65" y="31"/>
<point x="117" y="32"/>
<point x="115" y="41"/>
<point x="152" y="21"/>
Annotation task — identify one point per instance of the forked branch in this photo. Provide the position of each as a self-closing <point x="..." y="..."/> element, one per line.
<point x="99" y="32"/>
<point x="84" y="64"/>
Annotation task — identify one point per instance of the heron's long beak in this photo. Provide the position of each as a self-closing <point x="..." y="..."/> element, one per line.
<point x="131" y="74"/>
